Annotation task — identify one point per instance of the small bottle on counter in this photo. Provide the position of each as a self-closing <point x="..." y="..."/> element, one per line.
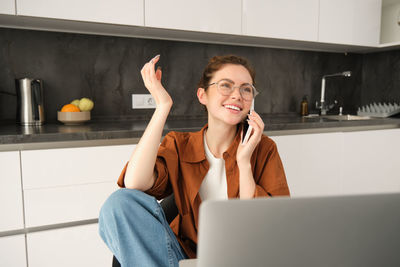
<point x="304" y="106"/>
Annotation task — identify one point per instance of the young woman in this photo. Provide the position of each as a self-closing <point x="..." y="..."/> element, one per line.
<point x="197" y="166"/>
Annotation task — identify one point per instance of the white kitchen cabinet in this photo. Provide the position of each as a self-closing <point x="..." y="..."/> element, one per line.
<point x="324" y="25"/>
<point x="73" y="166"/>
<point x="126" y="12"/>
<point x="354" y="22"/>
<point x="63" y="187"/>
<point x="311" y="163"/>
<point x="64" y="204"/>
<point x="371" y="162"/>
<point x="70" y="184"/>
<point x="346" y="163"/>
<point x="284" y="19"/>
<point x="390" y="32"/>
<point x="222" y="16"/>
<point x="7" y="7"/>
<point x="10" y="192"/>
<point x="78" y="246"/>
<point x="12" y="251"/>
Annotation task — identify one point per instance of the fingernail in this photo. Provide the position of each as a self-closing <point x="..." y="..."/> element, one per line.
<point x="157" y="56"/>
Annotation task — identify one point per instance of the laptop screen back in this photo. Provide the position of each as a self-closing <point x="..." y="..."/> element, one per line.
<point x="359" y="230"/>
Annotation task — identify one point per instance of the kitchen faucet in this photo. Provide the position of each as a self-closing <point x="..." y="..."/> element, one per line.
<point x="323" y="106"/>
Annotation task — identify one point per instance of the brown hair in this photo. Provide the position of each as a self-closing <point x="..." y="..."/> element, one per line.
<point x="217" y="62"/>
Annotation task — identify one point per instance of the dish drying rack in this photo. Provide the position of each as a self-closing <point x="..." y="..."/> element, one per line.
<point x="379" y="110"/>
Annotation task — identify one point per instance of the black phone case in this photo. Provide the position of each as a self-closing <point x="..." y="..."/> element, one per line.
<point x="245" y="128"/>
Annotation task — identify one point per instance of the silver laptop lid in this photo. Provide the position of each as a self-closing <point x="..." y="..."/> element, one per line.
<point x="352" y="231"/>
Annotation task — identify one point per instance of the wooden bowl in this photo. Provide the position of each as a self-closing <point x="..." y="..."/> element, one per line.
<point x="73" y="118"/>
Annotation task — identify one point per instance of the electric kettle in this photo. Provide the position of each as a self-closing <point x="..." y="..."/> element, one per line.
<point x="30" y="110"/>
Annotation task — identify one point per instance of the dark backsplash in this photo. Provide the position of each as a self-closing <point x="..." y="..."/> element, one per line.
<point x="381" y="77"/>
<point x="107" y="69"/>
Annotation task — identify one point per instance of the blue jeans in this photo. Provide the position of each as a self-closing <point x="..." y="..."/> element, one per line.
<point x="134" y="227"/>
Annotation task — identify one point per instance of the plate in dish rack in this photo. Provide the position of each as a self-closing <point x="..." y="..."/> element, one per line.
<point x="379" y="110"/>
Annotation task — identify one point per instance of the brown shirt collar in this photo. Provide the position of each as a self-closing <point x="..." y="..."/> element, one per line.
<point x="196" y="144"/>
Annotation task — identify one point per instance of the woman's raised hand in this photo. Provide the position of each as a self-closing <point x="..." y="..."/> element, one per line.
<point x="152" y="81"/>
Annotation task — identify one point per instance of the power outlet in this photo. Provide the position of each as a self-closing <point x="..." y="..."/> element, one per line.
<point x="140" y="101"/>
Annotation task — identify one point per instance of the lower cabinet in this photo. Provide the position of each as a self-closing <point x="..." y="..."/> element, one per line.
<point x="12" y="251"/>
<point x="311" y="163"/>
<point x="344" y="163"/>
<point x="57" y="188"/>
<point x="77" y="246"/>
<point x="10" y="192"/>
<point x="63" y="187"/>
<point x="65" y="204"/>
<point x="371" y="162"/>
<point x="66" y="186"/>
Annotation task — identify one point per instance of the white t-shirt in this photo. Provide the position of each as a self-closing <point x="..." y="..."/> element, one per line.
<point x="214" y="185"/>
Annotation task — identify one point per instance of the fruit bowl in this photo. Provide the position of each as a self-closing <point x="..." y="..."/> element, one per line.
<point x="73" y="118"/>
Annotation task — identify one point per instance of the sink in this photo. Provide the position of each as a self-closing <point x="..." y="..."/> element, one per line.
<point x="339" y="117"/>
<point x="345" y="117"/>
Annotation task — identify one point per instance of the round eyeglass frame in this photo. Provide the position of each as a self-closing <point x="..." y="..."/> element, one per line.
<point x="233" y="88"/>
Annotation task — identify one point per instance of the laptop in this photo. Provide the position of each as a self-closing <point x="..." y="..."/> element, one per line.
<point x="360" y="230"/>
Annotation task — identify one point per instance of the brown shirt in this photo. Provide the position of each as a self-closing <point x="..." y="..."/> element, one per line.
<point x="181" y="166"/>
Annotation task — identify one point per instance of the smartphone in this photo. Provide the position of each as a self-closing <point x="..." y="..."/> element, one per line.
<point x="247" y="129"/>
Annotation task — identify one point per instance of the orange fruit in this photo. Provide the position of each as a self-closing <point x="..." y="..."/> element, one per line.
<point x="70" y="108"/>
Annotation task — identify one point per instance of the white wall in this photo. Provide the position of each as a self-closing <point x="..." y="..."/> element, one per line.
<point x="390" y="29"/>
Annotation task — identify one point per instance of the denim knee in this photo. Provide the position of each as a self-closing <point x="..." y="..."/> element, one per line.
<point x="127" y="201"/>
<point x="116" y="201"/>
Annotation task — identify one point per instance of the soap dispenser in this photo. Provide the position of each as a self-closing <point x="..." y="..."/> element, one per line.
<point x="304" y="106"/>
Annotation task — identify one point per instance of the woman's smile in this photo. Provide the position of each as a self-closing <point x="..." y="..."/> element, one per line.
<point x="235" y="109"/>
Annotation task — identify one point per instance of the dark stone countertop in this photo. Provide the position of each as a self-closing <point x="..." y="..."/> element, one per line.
<point x="97" y="130"/>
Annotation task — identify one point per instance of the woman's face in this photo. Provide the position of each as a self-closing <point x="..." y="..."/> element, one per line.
<point x="231" y="109"/>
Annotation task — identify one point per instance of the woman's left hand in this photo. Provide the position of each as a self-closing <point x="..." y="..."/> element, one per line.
<point x="245" y="150"/>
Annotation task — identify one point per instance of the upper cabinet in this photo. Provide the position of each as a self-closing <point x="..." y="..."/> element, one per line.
<point x="345" y="22"/>
<point x="222" y="16"/>
<point x="7" y="7"/>
<point x="126" y="12"/>
<point x="319" y="25"/>
<point x="390" y="25"/>
<point x="284" y="19"/>
<point x="353" y="22"/>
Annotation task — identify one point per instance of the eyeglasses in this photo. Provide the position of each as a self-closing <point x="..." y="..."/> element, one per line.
<point x="226" y="87"/>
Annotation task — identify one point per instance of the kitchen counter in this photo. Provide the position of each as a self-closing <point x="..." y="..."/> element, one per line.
<point x="112" y="132"/>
